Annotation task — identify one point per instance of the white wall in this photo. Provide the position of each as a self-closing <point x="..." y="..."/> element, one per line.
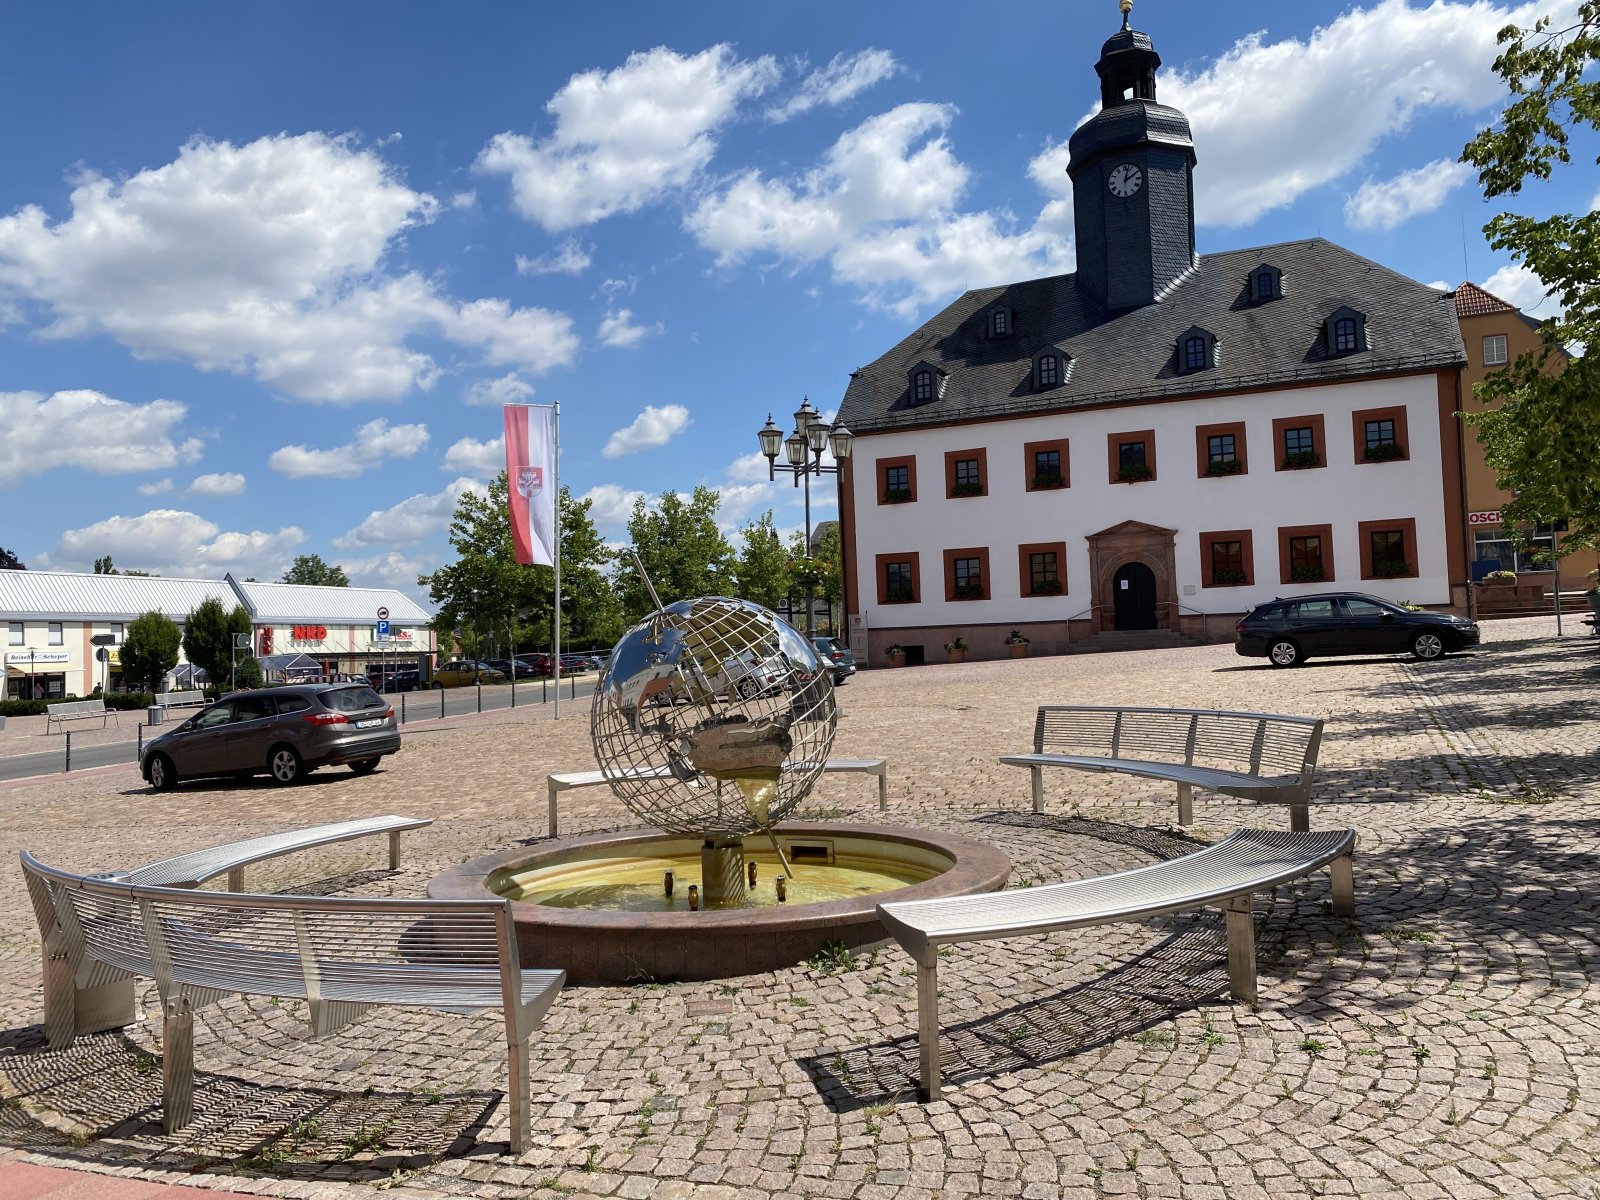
<point x="1341" y="493"/>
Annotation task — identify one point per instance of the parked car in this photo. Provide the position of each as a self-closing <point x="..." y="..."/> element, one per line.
<point x="286" y="732"/>
<point x="463" y="672"/>
<point x="508" y="666"/>
<point x="394" y="677"/>
<point x="834" y="652"/>
<point x="572" y="664"/>
<point x="1287" y="632"/>
<point x="536" y="659"/>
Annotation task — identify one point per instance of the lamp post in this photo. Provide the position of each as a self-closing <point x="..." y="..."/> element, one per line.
<point x="803" y="448"/>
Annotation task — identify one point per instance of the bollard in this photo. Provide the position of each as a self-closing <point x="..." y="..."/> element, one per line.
<point x="544" y="690"/>
<point x="480" y="696"/>
<point x="574" y="679"/>
<point x="68" y="767"/>
<point x="139" y="752"/>
<point x="513" y="683"/>
<point x="402" y="708"/>
<point x="441" y="704"/>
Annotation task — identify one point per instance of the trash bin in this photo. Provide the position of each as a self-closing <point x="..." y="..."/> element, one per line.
<point x="154" y="715"/>
<point x="2" y="723"/>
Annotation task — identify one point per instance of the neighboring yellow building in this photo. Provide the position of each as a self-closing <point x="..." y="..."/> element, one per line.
<point x="1495" y="333"/>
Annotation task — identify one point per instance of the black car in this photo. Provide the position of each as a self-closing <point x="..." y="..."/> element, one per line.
<point x="285" y="732"/>
<point x="1287" y="632"/>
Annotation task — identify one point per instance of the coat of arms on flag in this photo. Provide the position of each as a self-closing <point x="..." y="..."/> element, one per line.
<point x="530" y="480"/>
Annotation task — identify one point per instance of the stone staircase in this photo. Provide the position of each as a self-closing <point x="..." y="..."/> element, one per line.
<point x="1132" y="639"/>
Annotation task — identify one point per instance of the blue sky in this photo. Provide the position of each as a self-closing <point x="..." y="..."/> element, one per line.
<point x="266" y="272"/>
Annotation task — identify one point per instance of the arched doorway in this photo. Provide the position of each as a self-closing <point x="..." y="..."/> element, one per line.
<point x="1134" y="596"/>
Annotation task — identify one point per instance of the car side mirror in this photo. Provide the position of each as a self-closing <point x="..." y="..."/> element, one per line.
<point x="1388" y="618"/>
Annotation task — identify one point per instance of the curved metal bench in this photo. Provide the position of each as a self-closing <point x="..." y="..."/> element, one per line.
<point x="1225" y="875"/>
<point x="1255" y="756"/>
<point x="78" y="710"/>
<point x="341" y="955"/>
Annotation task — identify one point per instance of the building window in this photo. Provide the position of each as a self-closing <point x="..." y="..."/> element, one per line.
<point x="1220" y="449"/>
<point x="16" y="633"/>
<point x="922" y="387"/>
<point x="966" y="473"/>
<point x="55" y="634"/>
<point x="1049" y="370"/>
<point x="1380" y="434"/>
<point x="1227" y="563"/>
<point x="969" y="480"/>
<point x="1194" y="353"/>
<point x="1298" y="442"/>
<point x="899" y="585"/>
<point x="1047" y="468"/>
<point x="1492" y="545"/>
<point x="1227" y="558"/>
<point x="1266" y="285"/>
<point x="897" y="483"/>
<point x="1305" y="559"/>
<point x="1131" y="455"/>
<point x="1044" y="574"/>
<point x="897" y="480"/>
<point x="116" y="634"/>
<point x="966" y="573"/>
<point x="1046" y="465"/>
<point x="1388" y="548"/>
<point x="1380" y="441"/>
<point x="1000" y="322"/>
<point x="1305" y="553"/>
<point x="1344" y="336"/>
<point x="1494" y="350"/>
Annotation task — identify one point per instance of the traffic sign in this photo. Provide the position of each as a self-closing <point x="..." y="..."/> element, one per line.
<point x="383" y="627"/>
<point x="383" y="613"/>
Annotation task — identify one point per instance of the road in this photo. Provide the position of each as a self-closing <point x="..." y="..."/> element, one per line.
<point x="424" y="705"/>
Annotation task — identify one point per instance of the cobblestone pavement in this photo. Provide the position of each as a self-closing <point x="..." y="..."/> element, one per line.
<point x="1446" y="1043"/>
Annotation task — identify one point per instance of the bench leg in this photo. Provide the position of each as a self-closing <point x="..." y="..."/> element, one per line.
<point x="1241" y="950"/>
<point x="1186" y="804"/>
<point x="554" y="828"/>
<point x="1344" y="885"/>
<point x="883" y="789"/>
<point x="177" y="1064"/>
<point x="1299" y="817"/>
<point x="517" y="1095"/>
<point x="236" y="879"/>
<point x="394" y="850"/>
<point x="929" y="1086"/>
<point x="1038" y="789"/>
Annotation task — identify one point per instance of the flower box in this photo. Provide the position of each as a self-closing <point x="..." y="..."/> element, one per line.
<point x="1135" y="473"/>
<point x="1301" y="459"/>
<point x="1224" y="466"/>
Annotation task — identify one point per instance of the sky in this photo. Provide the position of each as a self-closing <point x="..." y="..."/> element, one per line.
<point x="268" y="272"/>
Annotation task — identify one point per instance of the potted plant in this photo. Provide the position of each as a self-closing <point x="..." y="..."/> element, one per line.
<point x="1385" y="452"/>
<point x="1048" y="481"/>
<point x="1391" y="569"/>
<point x="1306" y="575"/>
<point x="897" y="655"/>
<point x="1227" y="577"/>
<point x="1299" y="460"/>
<point x="1016" y="644"/>
<point x="1134" y="473"/>
<point x="1224" y="466"/>
<point x="1500" y="578"/>
<point x="956" y="651"/>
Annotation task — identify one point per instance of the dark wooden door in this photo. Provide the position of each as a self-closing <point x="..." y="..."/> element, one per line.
<point x="1134" y="589"/>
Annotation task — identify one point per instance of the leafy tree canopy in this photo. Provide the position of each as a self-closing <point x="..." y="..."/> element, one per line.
<point x="102" y="566"/>
<point x="762" y="571"/>
<point x="681" y="548"/>
<point x="10" y="562"/>
<point x="309" y="568"/>
<point x="1543" y="431"/>
<point x="208" y="638"/>
<point x="149" y="650"/>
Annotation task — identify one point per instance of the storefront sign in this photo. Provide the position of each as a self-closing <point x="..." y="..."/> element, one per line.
<point x="1484" y="518"/>
<point x="37" y="657"/>
<point x="395" y="634"/>
<point x="309" y="633"/>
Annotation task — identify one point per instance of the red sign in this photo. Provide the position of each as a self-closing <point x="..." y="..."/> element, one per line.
<point x="1483" y="518"/>
<point x="309" y="633"/>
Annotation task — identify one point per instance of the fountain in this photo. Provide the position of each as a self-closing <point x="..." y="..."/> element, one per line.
<point x="712" y="723"/>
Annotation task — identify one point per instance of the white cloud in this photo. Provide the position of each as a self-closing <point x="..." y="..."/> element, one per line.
<point x="569" y="258"/>
<point x="1386" y="203"/>
<point x="881" y="211"/>
<point x="470" y="456"/>
<point x="1273" y="120"/>
<point x="653" y="427"/>
<point x="178" y="544"/>
<point x="508" y="389"/>
<point x="844" y="78"/>
<point x="227" y="483"/>
<point x="412" y="520"/>
<point x="1518" y="286"/>
<point x="389" y="569"/>
<point x="626" y="137"/>
<point x="159" y="487"/>
<point x="749" y="468"/>
<point x="265" y="259"/>
<point x="463" y="199"/>
<point x="611" y="505"/>
<point x="373" y="442"/>
<point x="617" y="329"/>
<point x="90" y="431"/>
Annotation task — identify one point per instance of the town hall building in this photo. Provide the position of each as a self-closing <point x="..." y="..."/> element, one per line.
<point x="1160" y="440"/>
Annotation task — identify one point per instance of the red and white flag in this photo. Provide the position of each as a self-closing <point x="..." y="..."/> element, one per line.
<point x="530" y="474"/>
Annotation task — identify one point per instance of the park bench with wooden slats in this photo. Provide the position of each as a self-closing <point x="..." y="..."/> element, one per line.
<point x="1226" y="875"/>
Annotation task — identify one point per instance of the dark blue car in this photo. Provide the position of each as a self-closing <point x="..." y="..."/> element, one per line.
<point x="1287" y="632"/>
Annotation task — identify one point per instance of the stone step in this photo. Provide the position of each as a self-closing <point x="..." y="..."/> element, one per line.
<point x="1132" y="639"/>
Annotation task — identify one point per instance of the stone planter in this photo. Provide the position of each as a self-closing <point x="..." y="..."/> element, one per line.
<point x="1017" y="649"/>
<point x="897" y="659"/>
<point x="956" y="655"/>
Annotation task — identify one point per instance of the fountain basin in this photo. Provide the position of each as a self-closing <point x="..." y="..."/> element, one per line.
<point x="598" y="946"/>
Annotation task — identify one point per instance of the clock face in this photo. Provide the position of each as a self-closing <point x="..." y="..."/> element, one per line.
<point x="1125" y="179"/>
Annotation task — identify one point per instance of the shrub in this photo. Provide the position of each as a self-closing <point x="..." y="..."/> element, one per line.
<point x="1384" y="452"/>
<point x="1390" y="570"/>
<point x="1227" y="578"/>
<point x="1301" y="459"/>
<point x="967" y="489"/>
<point x="899" y="594"/>
<point x="1045" y="587"/>
<point x="1135" y="473"/>
<point x="1049" y="481"/>
<point x="969" y="591"/>
<point x="1016" y="638"/>
<point x="958" y="644"/>
<point x="896" y="495"/>
<point x="1306" y="575"/>
<point x="1224" y="466"/>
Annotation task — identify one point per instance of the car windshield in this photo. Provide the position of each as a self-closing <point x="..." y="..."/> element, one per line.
<point x="352" y="699"/>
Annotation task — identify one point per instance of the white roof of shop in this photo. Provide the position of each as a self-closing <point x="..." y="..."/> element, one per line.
<point x="58" y="596"/>
<point x="286" y="603"/>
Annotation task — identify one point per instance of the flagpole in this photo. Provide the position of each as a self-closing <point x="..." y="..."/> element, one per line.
<point x="555" y="469"/>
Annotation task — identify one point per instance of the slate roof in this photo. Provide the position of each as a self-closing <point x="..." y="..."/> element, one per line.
<point x="1118" y="357"/>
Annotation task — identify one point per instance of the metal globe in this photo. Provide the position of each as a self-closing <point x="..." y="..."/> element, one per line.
<point x="714" y="717"/>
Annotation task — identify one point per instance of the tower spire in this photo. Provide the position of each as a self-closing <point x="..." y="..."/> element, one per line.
<point x="1127" y="7"/>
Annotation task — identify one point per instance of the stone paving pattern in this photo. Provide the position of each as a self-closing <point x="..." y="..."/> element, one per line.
<point x="1445" y="1043"/>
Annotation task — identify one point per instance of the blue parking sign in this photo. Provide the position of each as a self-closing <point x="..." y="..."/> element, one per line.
<point x="383" y="629"/>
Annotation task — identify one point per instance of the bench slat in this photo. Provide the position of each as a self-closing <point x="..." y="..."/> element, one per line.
<point x="198" y="866"/>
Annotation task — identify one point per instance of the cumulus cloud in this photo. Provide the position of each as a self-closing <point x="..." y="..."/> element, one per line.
<point x="265" y="259"/>
<point x="412" y="520"/>
<point x="1518" y="286"/>
<point x="158" y="487"/>
<point x="653" y="427"/>
<point x="373" y="442"/>
<point x="569" y="258"/>
<point x="1365" y="76"/>
<point x="90" y="431"/>
<point x="1386" y="203"/>
<point x="610" y="505"/>
<point x="388" y="569"/>
<point x="227" y="483"/>
<point x="617" y="328"/>
<point x="845" y="77"/>
<point x="508" y="389"/>
<point x="624" y="138"/>
<point x="470" y="456"/>
<point x="178" y="544"/>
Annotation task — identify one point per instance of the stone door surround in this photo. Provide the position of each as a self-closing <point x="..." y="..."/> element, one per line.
<point x="1132" y="541"/>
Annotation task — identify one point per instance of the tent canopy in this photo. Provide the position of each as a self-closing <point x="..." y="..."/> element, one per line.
<point x="289" y="666"/>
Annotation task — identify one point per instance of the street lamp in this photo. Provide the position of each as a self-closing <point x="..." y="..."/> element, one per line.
<point x="803" y="449"/>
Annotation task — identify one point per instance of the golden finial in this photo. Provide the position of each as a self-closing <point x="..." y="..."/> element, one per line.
<point x="1127" y="7"/>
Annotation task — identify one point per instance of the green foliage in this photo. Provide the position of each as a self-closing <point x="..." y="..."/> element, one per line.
<point x="22" y="708"/>
<point x="682" y="549"/>
<point x="1306" y="575"/>
<point x="833" y="959"/>
<point x="102" y="566"/>
<point x="762" y="572"/>
<point x="10" y="562"/>
<point x="309" y="568"/>
<point x="249" y="674"/>
<point x="208" y="638"/>
<point x="1299" y="460"/>
<point x="1135" y="473"/>
<point x="1224" y="466"/>
<point x="149" y="650"/>
<point x="1384" y="452"/>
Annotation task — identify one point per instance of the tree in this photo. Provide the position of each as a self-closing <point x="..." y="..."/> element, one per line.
<point x="10" y="562"/>
<point x="102" y="566"/>
<point x="827" y="554"/>
<point x="149" y="650"/>
<point x="208" y="638"/>
<point x="249" y="674"/>
<point x="761" y="572"/>
<point x="309" y="568"/>
<point x="681" y="548"/>
<point x="1542" y="431"/>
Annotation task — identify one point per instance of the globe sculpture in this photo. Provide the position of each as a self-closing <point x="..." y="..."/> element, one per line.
<point x="714" y="718"/>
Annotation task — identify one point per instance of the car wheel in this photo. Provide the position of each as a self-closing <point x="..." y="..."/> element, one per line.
<point x="365" y="766"/>
<point x="162" y="777"/>
<point x="1427" y="645"/>
<point x="284" y="764"/>
<point x="749" y="687"/>
<point x="1284" y="653"/>
<point x="439" y="687"/>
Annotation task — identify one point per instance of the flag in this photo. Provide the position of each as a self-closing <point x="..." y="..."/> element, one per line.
<point x="530" y="476"/>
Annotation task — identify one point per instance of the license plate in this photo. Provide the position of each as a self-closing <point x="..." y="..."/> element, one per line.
<point x="369" y="722"/>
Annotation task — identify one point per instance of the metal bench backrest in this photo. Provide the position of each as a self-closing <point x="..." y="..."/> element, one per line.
<point x="1264" y="744"/>
<point x="171" y="699"/>
<point x="323" y="949"/>
<point x="77" y="708"/>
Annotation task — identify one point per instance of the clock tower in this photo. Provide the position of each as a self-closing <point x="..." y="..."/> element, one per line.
<point x="1132" y="167"/>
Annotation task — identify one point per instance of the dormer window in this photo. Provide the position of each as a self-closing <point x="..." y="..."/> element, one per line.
<point x="1197" y="350"/>
<point x="1049" y="370"/>
<point x="999" y="322"/>
<point x="927" y="383"/>
<point x="1345" y="332"/>
<point x="1266" y="283"/>
<point x="1051" y="366"/>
